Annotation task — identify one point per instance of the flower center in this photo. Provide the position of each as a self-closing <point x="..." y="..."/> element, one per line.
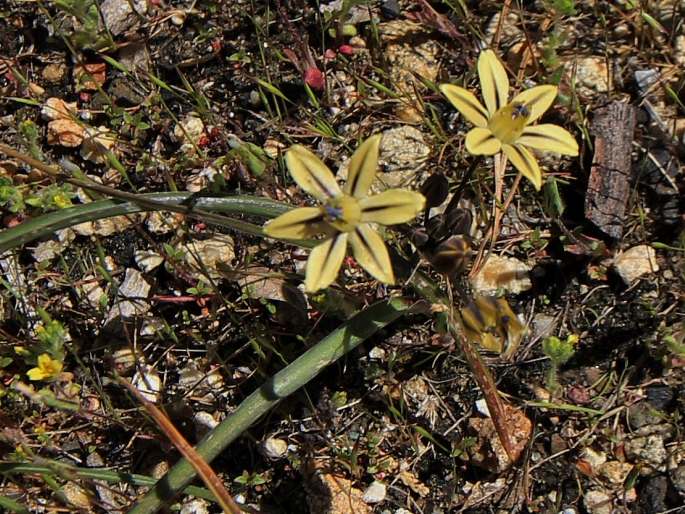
<point x="342" y="212"/>
<point x="508" y="122"/>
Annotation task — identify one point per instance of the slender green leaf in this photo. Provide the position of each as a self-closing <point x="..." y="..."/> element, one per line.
<point x="282" y="384"/>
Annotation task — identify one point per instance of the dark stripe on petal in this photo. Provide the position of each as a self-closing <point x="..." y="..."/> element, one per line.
<point x="525" y="157"/>
<point x="377" y="208"/>
<point x="316" y="219"/>
<point x="357" y="176"/>
<point x="535" y="99"/>
<point x="366" y="244"/>
<point x="321" y="185"/>
<point x="476" y="106"/>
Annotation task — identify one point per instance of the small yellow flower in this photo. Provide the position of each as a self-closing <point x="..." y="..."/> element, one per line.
<point x="47" y="368"/>
<point x="344" y="215"/>
<point x="502" y="126"/>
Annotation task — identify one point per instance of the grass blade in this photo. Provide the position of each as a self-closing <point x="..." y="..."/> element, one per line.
<point x="47" y="224"/>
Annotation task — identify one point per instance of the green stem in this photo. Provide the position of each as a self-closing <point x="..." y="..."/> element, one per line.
<point x="284" y="383"/>
<point x="11" y="468"/>
<point x="47" y="224"/>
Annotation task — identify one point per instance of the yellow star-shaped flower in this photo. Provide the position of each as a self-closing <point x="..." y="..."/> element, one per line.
<point x="507" y="126"/>
<point x="344" y="215"/>
<point x="47" y="368"/>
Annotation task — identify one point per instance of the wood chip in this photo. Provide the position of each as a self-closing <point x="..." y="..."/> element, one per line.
<point x="610" y="177"/>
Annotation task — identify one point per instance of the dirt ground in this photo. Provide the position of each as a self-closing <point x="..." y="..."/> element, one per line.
<point x="205" y="97"/>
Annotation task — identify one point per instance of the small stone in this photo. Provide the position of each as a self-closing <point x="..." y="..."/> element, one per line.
<point x="56" y="109"/>
<point x="678" y="480"/>
<point x="506" y="273"/>
<point x="274" y="448"/>
<point x="402" y="156"/>
<point x="131" y="298"/>
<point x="195" y="378"/>
<point x="410" y="54"/>
<point x="65" y="132"/>
<point x="653" y="494"/>
<point x="482" y="407"/>
<point x="659" y="396"/>
<point x="592" y="74"/>
<point x="636" y="262"/>
<point x="108" y="499"/>
<point x="124" y="360"/>
<point x="152" y="326"/>
<point x="92" y="292"/>
<point x="509" y="29"/>
<point x="48" y="250"/>
<point x="204" y="423"/>
<point x="646" y="79"/>
<point x="160" y="469"/>
<point x="273" y="148"/>
<point x="375" y="493"/>
<point x="206" y="256"/>
<point x="124" y="89"/>
<point x="148" y="383"/>
<point x="542" y="326"/>
<point x="188" y="132"/>
<point x="488" y="452"/>
<point x="597" y="502"/>
<point x="416" y="388"/>
<point x="135" y="57"/>
<point x="642" y="414"/>
<point x="595" y="459"/>
<point x="390" y="9"/>
<point x="356" y="14"/>
<point x="377" y="353"/>
<point x="329" y="494"/>
<point x="54" y="72"/>
<point x="148" y="260"/>
<point x="97" y="142"/>
<point x="76" y="495"/>
<point x="90" y="76"/>
<point x="196" y="506"/>
<point x="35" y="89"/>
<point x="615" y="472"/>
<point x="649" y="451"/>
<point x="403" y="149"/>
<point x="118" y="15"/>
<point x="103" y="227"/>
<point x="257" y="282"/>
<point x="159" y="222"/>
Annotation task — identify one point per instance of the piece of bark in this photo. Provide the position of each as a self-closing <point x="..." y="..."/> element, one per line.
<point x="611" y="174"/>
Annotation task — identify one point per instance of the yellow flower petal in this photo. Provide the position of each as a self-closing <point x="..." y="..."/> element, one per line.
<point x="481" y="141"/>
<point x="549" y="138"/>
<point x="311" y="174"/>
<point x="324" y="263"/>
<point x="47" y="368"/>
<point x="493" y="81"/>
<point x="392" y="207"/>
<point x="537" y="100"/>
<point x="363" y="167"/>
<point x="371" y="253"/>
<point x="302" y="223"/>
<point x="35" y="374"/>
<point x="525" y="162"/>
<point x="466" y="103"/>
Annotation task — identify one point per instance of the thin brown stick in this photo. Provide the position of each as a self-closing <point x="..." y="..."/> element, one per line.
<point x="206" y="473"/>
